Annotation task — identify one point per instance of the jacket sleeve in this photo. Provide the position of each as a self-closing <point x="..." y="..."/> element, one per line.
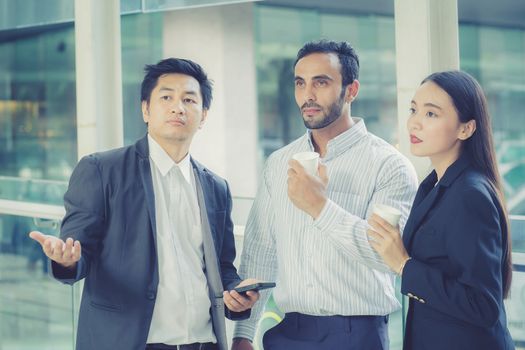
<point x="229" y="275"/>
<point x="85" y="217"/>
<point x="474" y="248"/>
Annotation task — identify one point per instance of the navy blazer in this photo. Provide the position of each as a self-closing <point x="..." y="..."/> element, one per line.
<point x="454" y="279"/>
<point x="110" y="209"/>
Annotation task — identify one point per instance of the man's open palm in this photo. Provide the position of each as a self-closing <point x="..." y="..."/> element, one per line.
<point x="64" y="253"/>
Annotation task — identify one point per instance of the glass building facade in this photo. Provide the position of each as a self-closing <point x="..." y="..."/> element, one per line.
<point x="38" y="131"/>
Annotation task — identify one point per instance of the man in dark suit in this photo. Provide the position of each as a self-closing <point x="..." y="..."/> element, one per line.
<point x="149" y="229"/>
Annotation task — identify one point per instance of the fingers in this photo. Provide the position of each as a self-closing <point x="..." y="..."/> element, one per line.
<point x="382" y="226"/>
<point x="295" y="166"/>
<point x="236" y="302"/>
<point x="38" y="236"/>
<point x="376" y="236"/>
<point x="77" y="251"/>
<point x="382" y="222"/>
<point x="65" y="253"/>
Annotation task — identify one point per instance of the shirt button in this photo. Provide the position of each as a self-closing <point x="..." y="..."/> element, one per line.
<point x="150" y="295"/>
<point x="422" y="301"/>
<point x="410" y="295"/>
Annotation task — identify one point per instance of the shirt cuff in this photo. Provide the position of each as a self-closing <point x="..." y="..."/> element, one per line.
<point x="244" y="330"/>
<point x="329" y="216"/>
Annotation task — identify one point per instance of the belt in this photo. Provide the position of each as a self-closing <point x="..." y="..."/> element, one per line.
<point x="194" y="346"/>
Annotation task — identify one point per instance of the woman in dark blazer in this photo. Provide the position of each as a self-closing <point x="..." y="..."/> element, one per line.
<point x="455" y="254"/>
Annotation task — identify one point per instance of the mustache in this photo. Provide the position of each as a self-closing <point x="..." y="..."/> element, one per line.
<point x="310" y="105"/>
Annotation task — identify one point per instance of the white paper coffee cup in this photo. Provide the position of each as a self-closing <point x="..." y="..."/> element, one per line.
<point x="309" y="161"/>
<point x="390" y="214"/>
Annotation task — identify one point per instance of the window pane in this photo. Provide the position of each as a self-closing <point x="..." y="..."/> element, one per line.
<point x="141" y="44"/>
<point x="37" y="111"/>
<point x="280" y="32"/>
<point x="496" y="57"/>
<point x="36" y="312"/>
<point x="26" y="13"/>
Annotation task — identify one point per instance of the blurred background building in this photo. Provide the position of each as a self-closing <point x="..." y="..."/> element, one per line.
<point x="70" y="85"/>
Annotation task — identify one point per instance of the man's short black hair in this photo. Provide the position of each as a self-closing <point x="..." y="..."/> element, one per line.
<point x="344" y="51"/>
<point x="176" y="65"/>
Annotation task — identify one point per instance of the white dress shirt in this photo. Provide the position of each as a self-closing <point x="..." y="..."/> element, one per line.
<point x="327" y="266"/>
<point x="182" y="308"/>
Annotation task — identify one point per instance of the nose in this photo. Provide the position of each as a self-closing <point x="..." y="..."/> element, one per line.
<point x="309" y="93"/>
<point x="177" y="107"/>
<point x="413" y="122"/>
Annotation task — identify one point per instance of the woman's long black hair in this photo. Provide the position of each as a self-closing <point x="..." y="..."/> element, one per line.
<point x="470" y="103"/>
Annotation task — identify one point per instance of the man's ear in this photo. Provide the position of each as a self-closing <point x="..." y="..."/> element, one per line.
<point x="352" y="90"/>
<point x="203" y="118"/>
<point x="467" y="130"/>
<point x="145" y="111"/>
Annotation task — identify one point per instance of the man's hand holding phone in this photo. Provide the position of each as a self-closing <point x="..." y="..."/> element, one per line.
<point x="244" y="295"/>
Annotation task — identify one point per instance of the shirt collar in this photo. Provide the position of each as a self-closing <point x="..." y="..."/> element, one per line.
<point x="163" y="161"/>
<point x="341" y="143"/>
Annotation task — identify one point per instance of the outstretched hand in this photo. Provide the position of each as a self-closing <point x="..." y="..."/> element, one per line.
<point x="64" y="253"/>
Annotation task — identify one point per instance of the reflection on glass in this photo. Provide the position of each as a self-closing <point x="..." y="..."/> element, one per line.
<point x="158" y="5"/>
<point x="496" y="56"/>
<point x="141" y="44"/>
<point x="35" y="310"/>
<point x="280" y="32"/>
<point x="27" y="13"/>
<point x="37" y="112"/>
<point x="515" y="304"/>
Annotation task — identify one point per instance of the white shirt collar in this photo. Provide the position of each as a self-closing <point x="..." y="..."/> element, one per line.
<point x="163" y="161"/>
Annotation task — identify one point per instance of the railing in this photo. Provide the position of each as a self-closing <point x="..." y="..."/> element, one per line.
<point x="29" y="300"/>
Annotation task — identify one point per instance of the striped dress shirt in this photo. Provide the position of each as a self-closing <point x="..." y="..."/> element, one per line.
<point x="327" y="266"/>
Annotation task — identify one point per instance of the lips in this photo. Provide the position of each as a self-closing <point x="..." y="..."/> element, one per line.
<point x="414" y="139"/>
<point x="311" y="110"/>
<point x="176" y="122"/>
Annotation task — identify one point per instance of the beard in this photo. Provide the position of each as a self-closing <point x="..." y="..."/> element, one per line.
<point x="334" y="112"/>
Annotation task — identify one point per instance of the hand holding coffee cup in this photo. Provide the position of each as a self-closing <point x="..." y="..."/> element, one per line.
<point x="388" y="213"/>
<point x="309" y="161"/>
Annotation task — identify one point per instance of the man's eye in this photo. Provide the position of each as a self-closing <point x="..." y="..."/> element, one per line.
<point x="166" y="98"/>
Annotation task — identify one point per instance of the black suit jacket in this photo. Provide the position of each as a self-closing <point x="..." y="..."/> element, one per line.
<point x="454" y="280"/>
<point x="110" y="209"/>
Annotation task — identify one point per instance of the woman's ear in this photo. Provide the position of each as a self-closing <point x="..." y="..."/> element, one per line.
<point x="467" y="129"/>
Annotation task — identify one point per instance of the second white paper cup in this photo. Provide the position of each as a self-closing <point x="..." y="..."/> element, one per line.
<point x="309" y="161"/>
<point x="390" y="214"/>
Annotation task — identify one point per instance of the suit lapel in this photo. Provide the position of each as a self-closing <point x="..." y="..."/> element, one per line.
<point x="428" y="194"/>
<point x="207" y="186"/>
<point x="147" y="183"/>
<point x="211" y="263"/>
<point x="419" y="212"/>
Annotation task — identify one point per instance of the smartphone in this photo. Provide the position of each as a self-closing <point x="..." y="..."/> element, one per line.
<point x="256" y="287"/>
